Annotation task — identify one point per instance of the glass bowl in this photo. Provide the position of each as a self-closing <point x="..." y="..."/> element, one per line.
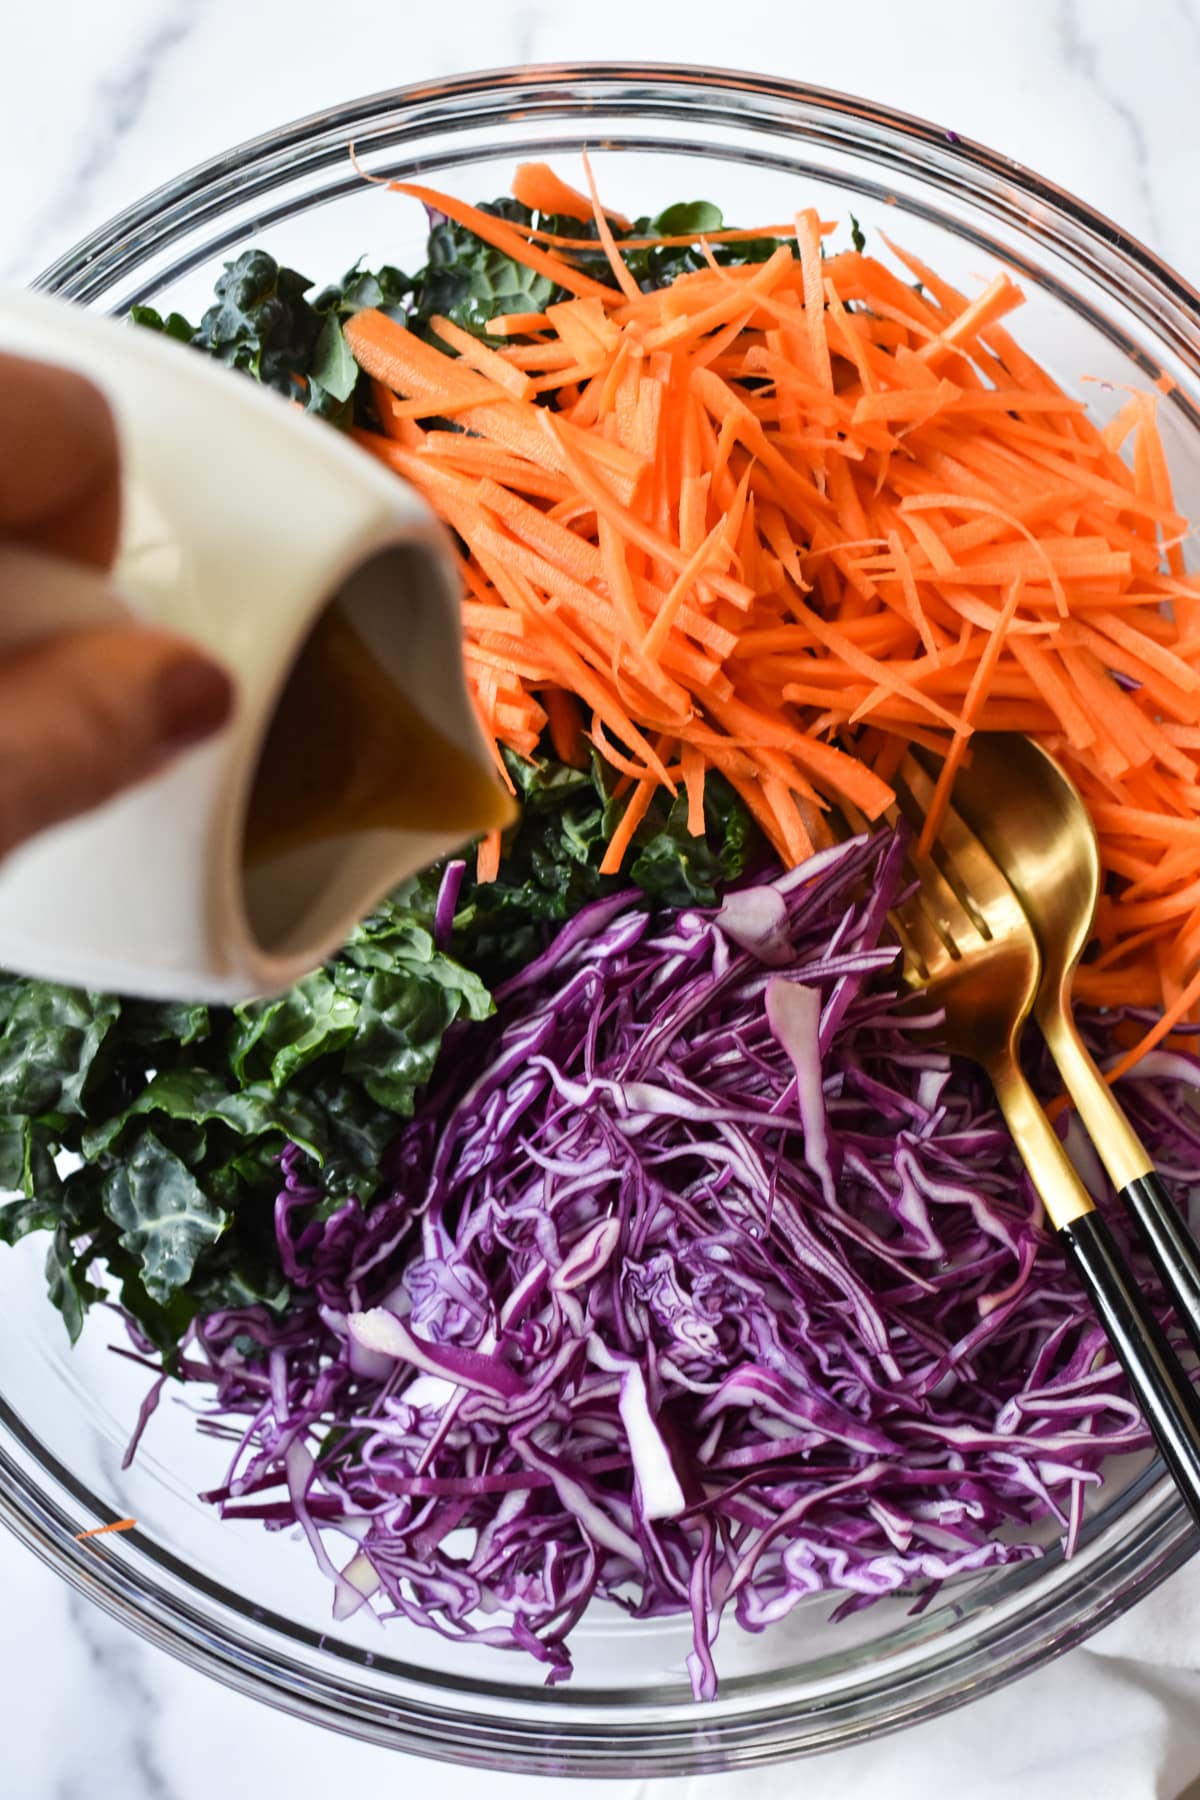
<point x="251" y="1609"/>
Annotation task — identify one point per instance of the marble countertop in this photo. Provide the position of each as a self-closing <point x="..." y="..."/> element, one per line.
<point x="105" y="101"/>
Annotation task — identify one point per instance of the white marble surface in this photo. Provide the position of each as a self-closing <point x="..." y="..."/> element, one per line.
<point x="105" y="98"/>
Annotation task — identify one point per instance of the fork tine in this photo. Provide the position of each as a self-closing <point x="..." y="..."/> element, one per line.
<point x="978" y="879"/>
<point x="932" y="923"/>
<point x="957" y="925"/>
<point x="924" y="948"/>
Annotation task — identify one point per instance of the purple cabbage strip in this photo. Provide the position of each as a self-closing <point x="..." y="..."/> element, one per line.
<point x="706" y="1285"/>
<point x="447" y="902"/>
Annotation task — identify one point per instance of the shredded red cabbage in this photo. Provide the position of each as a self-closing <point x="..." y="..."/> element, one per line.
<point x="447" y="902"/>
<point x="703" y="1284"/>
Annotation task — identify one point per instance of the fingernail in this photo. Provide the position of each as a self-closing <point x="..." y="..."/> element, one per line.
<point x="195" y="698"/>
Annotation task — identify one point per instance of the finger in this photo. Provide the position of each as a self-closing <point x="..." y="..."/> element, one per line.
<point x="87" y="713"/>
<point x="59" y="461"/>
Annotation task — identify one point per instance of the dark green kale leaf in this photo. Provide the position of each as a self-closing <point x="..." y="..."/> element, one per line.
<point x="358" y="1130"/>
<point x="173" y="1023"/>
<point x="700" y="217"/>
<point x="265" y="323"/>
<point x="336" y="389"/>
<point x="67" y="1282"/>
<point x="165" y="1218"/>
<point x="174" y="325"/>
<point x="333" y="367"/>
<point x="51" y="1040"/>
<point x="400" y="1031"/>
<point x="261" y="322"/>
<point x="410" y="997"/>
<point x="217" y="1124"/>
<point x="551" y="862"/>
<point x="26" y="1156"/>
<point x="470" y="282"/>
<point x="29" y="1175"/>
<point x="275" y="1039"/>
<point x="386" y="289"/>
<point x="676" y="869"/>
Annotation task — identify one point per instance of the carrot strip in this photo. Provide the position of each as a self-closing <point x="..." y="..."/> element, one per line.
<point x="502" y="236"/>
<point x="536" y="186"/>
<point x="631" y="818"/>
<point x="707" y="553"/>
<point x="624" y="279"/>
<point x="487" y="857"/>
<point x="566" y="727"/>
<point x="101" y="1530"/>
<point x="1180" y="1008"/>
<point x="407" y="365"/>
<point x="808" y="238"/>
<point x="693" y="782"/>
<point x="518" y="324"/>
<point x="482" y="358"/>
<point x="980" y="682"/>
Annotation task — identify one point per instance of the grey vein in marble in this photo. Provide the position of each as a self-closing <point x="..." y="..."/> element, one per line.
<point x="1186" y="10"/>
<point x="117" y="106"/>
<point x="524" y="24"/>
<point x="1082" y="54"/>
<point x="118" y="1664"/>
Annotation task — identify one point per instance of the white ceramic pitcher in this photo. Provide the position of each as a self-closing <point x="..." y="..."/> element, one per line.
<point x="242" y="521"/>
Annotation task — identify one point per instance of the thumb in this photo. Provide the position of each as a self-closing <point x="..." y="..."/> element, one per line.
<point x="87" y="713"/>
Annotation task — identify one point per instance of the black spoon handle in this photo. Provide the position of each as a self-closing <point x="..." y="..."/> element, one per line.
<point x="1175" y="1251"/>
<point x="1168" y="1401"/>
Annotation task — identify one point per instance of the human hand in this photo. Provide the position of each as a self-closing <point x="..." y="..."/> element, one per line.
<point x="86" y="712"/>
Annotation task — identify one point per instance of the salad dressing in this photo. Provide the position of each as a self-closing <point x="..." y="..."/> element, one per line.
<point x="347" y="751"/>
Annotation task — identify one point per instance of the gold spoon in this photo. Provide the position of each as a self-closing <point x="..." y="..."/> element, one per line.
<point x="970" y="950"/>
<point x="1034" y="823"/>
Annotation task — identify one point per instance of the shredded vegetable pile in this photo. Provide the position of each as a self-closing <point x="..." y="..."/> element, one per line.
<point x="703" y="1283"/>
<point x="784" y="518"/>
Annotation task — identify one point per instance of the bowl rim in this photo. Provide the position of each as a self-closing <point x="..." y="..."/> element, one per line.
<point x="704" y="1741"/>
<point x="226" y="170"/>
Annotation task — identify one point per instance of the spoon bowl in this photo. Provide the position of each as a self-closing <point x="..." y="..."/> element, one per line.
<point x="1032" y="820"/>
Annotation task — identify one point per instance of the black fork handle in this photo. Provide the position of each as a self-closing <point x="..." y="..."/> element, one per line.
<point x="1161" y="1385"/>
<point x="1174" y="1250"/>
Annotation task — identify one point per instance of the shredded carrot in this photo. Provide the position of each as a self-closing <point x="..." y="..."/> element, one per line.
<point x="501" y="236"/>
<point x="483" y="359"/>
<point x="693" y="781"/>
<point x="980" y="682"/>
<point x="487" y="857"/>
<point x="565" y="717"/>
<point x="1182" y="1007"/>
<point x="100" y="1530"/>
<point x="631" y="818"/>
<point x="776" y="521"/>
<point x="624" y="279"/>
<point x="536" y="186"/>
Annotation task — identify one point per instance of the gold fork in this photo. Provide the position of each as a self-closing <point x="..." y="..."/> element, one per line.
<point x="970" y="951"/>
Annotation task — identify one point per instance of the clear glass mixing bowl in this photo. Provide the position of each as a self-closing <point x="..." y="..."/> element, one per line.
<point x="250" y="1608"/>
